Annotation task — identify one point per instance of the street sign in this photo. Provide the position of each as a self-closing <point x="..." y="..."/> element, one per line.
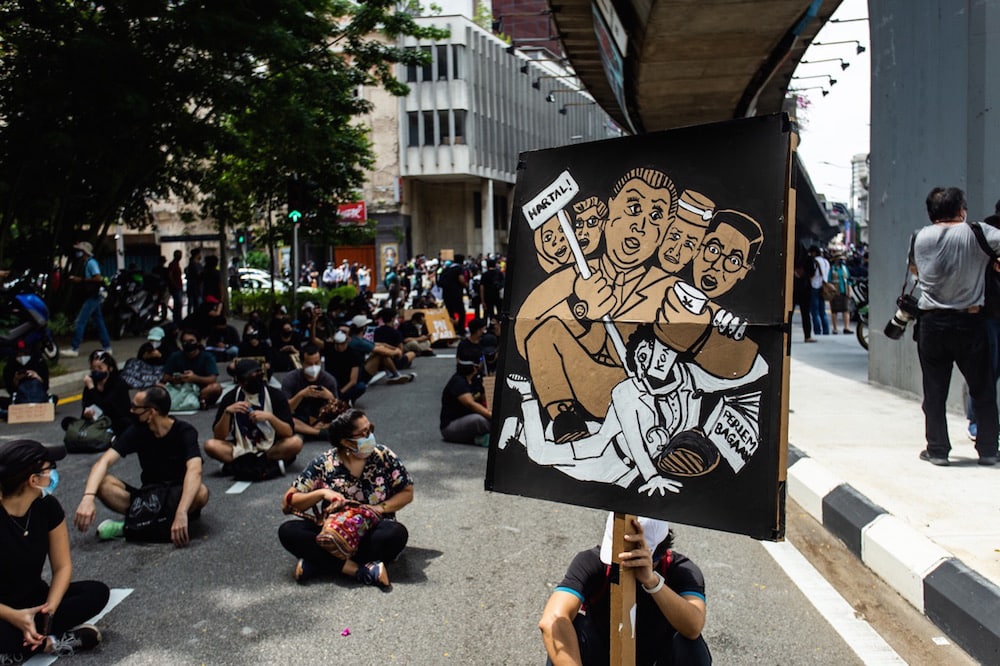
<point x="294" y="215"/>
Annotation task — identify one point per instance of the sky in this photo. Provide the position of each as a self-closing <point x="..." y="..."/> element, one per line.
<point x="836" y="127"/>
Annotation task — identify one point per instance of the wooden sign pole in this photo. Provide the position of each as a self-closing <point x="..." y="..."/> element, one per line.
<point x="622" y="596"/>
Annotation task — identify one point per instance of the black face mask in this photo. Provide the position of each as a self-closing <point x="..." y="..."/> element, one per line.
<point x="253" y="385"/>
<point x="191" y="347"/>
<point x="286" y="335"/>
<point x="98" y="375"/>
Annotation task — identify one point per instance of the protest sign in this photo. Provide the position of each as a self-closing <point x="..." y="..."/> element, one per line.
<point x="644" y="360"/>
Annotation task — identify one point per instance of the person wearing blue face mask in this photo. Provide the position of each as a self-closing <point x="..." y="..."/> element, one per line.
<point x="35" y="616"/>
<point x="359" y="470"/>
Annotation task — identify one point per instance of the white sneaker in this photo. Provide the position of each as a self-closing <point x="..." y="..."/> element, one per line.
<point x="69" y="353"/>
<point x="377" y="377"/>
<point x="107" y="350"/>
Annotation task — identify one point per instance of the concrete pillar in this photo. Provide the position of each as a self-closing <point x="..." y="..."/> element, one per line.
<point x="935" y="122"/>
<point x="489" y="241"/>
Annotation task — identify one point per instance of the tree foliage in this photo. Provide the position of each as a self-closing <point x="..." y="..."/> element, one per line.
<point x="106" y="106"/>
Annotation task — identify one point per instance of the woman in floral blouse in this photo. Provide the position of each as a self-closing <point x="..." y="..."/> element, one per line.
<point x="356" y="469"/>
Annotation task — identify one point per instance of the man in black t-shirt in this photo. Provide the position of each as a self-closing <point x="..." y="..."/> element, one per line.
<point x="389" y="337"/>
<point x="346" y="365"/>
<point x="168" y="453"/>
<point x="465" y="417"/>
<point x="670" y="602"/>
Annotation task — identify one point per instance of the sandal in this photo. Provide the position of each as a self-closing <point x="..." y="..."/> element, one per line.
<point x="374" y="573"/>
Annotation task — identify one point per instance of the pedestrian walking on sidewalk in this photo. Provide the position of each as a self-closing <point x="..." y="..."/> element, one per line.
<point x="820" y="274"/>
<point x="950" y="267"/>
<point x="92" y="280"/>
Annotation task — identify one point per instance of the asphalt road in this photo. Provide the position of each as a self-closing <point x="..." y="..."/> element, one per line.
<point x="467" y="590"/>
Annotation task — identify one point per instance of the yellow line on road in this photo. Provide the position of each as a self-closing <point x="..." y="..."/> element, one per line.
<point x="70" y="398"/>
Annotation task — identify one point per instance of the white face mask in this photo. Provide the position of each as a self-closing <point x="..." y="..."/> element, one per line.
<point x="312" y="370"/>
<point x="23" y="360"/>
<point x="155" y="343"/>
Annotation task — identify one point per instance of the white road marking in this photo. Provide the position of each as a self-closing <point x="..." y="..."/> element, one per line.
<point x="238" y="487"/>
<point x="116" y="597"/>
<point x="858" y="634"/>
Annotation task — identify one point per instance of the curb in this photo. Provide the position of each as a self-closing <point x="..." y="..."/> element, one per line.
<point x="960" y="601"/>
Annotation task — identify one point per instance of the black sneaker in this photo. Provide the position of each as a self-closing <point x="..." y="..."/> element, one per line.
<point x="934" y="460"/>
<point x="374" y="573"/>
<point x="987" y="461"/>
<point x="78" y="639"/>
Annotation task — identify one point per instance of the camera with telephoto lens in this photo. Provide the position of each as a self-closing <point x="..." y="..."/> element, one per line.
<point x="906" y="312"/>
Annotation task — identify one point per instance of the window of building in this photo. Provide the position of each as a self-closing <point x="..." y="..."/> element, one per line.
<point x="477" y="210"/>
<point x="427" y="72"/>
<point x="443" y="124"/>
<point x="459" y="127"/>
<point x="413" y="129"/>
<point x="411" y="69"/>
<point x="428" y="128"/>
<point x="442" y="63"/>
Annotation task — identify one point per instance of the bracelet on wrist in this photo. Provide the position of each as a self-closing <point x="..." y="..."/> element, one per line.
<point x="656" y="588"/>
<point x="94" y="494"/>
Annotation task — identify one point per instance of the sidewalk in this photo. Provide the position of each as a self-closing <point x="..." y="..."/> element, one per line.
<point x="933" y="533"/>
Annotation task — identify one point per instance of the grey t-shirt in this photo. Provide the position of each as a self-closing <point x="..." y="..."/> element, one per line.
<point x="951" y="265"/>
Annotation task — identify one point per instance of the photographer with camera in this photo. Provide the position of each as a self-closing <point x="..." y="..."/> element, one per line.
<point x="949" y="264"/>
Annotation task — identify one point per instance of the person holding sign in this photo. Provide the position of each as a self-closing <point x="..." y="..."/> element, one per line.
<point x="670" y="602"/>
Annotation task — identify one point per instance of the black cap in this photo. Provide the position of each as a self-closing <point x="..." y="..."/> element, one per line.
<point x="21" y="454"/>
<point x="245" y="367"/>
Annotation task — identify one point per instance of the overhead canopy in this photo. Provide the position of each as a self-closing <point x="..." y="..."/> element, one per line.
<point x="688" y="62"/>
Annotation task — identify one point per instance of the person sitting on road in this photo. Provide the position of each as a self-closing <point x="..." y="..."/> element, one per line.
<point x="104" y="392"/>
<point x="311" y="393"/>
<point x="168" y="453"/>
<point x="156" y="348"/>
<point x="347" y="367"/>
<point x="286" y="348"/>
<point x="378" y="357"/>
<point x="465" y="416"/>
<point x="669" y="613"/>
<point x="191" y="365"/>
<point x="254" y="420"/>
<point x="416" y="338"/>
<point x="356" y="469"/>
<point x="471" y="345"/>
<point x="386" y="336"/>
<point x="254" y="345"/>
<point x="39" y="617"/>
<point x="26" y="376"/>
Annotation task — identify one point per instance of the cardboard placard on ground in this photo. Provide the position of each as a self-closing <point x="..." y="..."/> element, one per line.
<point x="488" y="385"/>
<point x="439" y="324"/>
<point x="40" y="412"/>
<point x="446" y="255"/>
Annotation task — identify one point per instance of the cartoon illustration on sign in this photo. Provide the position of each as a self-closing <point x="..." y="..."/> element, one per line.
<point x="636" y="363"/>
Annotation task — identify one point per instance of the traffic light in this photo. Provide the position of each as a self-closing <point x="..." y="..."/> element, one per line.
<point x="241" y="237"/>
<point x="298" y="198"/>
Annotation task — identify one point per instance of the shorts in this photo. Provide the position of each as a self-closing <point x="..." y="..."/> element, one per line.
<point x="838" y="303"/>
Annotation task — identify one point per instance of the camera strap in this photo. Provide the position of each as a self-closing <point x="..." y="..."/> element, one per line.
<point x="981" y="238"/>
<point x="910" y="261"/>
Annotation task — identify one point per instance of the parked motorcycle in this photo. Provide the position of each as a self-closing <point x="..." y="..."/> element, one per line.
<point x="129" y="307"/>
<point x="26" y="317"/>
<point x="858" y="290"/>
